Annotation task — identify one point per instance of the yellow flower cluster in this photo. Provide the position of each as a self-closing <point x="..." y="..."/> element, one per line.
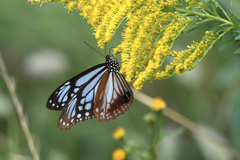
<point x="161" y="50"/>
<point x="145" y="26"/>
<point x="188" y="59"/>
<point x="105" y="16"/>
<point x="152" y="26"/>
<point x="71" y="5"/>
<point x="194" y="3"/>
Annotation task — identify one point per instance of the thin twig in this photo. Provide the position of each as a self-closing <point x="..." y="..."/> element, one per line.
<point x="187" y="123"/>
<point x="11" y="88"/>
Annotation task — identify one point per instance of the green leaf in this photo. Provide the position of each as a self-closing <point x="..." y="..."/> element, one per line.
<point x="227" y="43"/>
<point x="192" y="24"/>
<point x="234" y="20"/>
<point x="237" y="51"/>
<point x="214" y="9"/>
<point x="174" y="133"/>
<point x="232" y="2"/>
<point x="237" y="38"/>
<point x="220" y="29"/>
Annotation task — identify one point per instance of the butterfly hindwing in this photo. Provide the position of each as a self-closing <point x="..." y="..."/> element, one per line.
<point x="60" y="97"/>
<point x="113" y="98"/>
<point x="79" y="108"/>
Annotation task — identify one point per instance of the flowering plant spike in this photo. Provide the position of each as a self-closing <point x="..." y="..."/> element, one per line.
<point x="152" y="26"/>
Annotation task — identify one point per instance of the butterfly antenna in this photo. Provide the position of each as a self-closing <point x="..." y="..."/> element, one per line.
<point x="110" y="49"/>
<point x="94" y="49"/>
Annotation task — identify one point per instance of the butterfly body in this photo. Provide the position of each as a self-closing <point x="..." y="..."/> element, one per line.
<point x="99" y="91"/>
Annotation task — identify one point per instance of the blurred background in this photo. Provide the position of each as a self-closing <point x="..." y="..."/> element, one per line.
<point x="44" y="46"/>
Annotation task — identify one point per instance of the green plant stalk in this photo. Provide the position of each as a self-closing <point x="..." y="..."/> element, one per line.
<point x="157" y="137"/>
<point x="207" y="9"/>
<point x="203" y="15"/>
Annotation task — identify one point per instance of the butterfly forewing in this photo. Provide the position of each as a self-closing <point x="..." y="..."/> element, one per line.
<point x="80" y="95"/>
<point x="60" y="97"/>
<point x="114" y="96"/>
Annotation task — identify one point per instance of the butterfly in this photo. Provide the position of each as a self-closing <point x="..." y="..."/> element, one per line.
<point x="100" y="91"/>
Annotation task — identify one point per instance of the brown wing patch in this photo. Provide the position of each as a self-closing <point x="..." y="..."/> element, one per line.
<point x="114" y="96"/>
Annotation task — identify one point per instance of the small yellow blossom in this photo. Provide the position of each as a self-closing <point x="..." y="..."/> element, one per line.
<point x="119" y="154"/>
<point x="119" y="133"/>
<point x="158" y="104"/>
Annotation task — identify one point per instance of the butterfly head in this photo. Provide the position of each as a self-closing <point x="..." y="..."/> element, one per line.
<point x="112" y="65"/>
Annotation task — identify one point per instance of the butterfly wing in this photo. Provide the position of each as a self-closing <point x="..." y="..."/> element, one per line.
<point x="114" y="96"/>
<point x="76" y="97"/>
<point x="60" y="97"/>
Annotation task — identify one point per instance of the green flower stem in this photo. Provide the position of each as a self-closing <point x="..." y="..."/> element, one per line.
<point x="207" y="8"/>
<point x="203" y="15"/>
<point x="160" y="126"/>
<point x="156" y="138"/>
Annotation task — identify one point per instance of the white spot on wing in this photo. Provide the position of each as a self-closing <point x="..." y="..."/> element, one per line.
<point x="73" y="113"/>
<point x="82" y="101"/>
<point x="80" y="108"/>
<point x="67" y="83"/>
<point x="114" y="95"/>
<point x="89" y="96"/>
<point x="75" y="90"/>
<point x="88" y="106"/>
<point x="65" y="98"/>
<point x="87" y="114"/>
<point x="71" y="107"/>
<point x="62" y="93"/>
<point x="109" y="88"/>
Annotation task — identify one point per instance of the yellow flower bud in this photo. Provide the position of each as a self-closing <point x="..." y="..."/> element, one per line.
<point x="119" y="154"/>
<point x="119" y="133"/>
<point x="158" y="104"/>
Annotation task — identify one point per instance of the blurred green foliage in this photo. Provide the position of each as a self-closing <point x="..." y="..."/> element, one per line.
<point x="209" y="95"/>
